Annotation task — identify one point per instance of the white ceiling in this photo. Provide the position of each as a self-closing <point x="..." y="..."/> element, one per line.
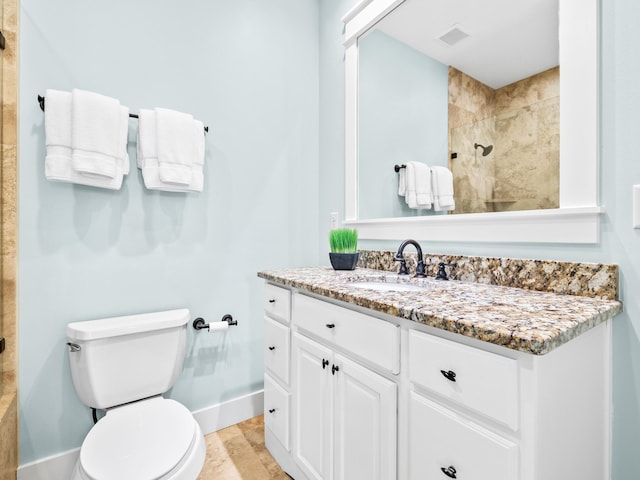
<point x="508" y="39"/>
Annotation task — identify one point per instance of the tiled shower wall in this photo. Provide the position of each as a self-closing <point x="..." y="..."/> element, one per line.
<point x="521" y="121"/>
<point x="8" y="397"/>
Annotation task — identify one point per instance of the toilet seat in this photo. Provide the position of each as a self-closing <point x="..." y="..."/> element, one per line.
<point x="145" y="440"/>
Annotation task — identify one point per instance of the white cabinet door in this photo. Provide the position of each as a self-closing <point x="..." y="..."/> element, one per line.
<point x="313" y="399"/>
<point x="444" y="445"/>
<point x="365" y="423"/>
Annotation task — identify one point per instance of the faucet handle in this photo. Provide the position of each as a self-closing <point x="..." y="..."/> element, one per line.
<point x="420" y="269"/>
<point x="403" y="264"/>
<point x="442" y="273"/>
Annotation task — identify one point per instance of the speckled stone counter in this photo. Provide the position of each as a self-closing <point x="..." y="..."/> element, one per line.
<point x="529" y="321"/>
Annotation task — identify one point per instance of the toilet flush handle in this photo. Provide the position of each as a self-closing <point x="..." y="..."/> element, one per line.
<point x="74" y="347"/>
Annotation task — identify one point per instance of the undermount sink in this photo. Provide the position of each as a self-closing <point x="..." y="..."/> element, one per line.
<point x="387" y="286"/>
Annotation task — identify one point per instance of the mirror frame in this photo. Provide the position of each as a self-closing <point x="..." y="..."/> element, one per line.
<point x="577" y="220"/>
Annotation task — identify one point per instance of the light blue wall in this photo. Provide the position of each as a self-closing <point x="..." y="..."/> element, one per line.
<point x="620" y="169"/>
<point x="403" y="107"/>
<point x="249" y="70"/>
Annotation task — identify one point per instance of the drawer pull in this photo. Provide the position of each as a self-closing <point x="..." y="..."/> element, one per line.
<point x="272" y="410"/>
<point x="449" y="471"/>
<point x="334" y="369"/>
<point x="331" y="325"/>
<point x="325" y="362"/>
<point x="272" y="348"/>
<point x="272" y="300"/>
<point x="449" y="375"/>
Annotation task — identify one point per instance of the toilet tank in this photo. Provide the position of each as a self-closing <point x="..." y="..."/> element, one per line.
<point x="123" y="359"/>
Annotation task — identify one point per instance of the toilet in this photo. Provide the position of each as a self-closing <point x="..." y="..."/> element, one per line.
<point x="124" y="365"/>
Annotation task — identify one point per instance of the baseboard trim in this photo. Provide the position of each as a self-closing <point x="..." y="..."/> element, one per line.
<point x="211" y="419"/>
<point x="223" y="415"/>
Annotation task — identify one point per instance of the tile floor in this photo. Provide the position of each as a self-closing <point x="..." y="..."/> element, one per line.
<point x="238" y="453"/>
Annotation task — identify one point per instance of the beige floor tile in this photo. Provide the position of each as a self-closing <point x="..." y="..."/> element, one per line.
<point x="238" y="453"/>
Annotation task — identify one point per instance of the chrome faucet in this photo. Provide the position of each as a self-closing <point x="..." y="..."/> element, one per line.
<point x="403" y="263"/>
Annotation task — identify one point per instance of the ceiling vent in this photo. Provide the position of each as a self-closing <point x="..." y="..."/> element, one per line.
<point x="453" y="36"/>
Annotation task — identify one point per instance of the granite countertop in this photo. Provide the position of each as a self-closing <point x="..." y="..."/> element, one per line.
<point x="524" y="320"/>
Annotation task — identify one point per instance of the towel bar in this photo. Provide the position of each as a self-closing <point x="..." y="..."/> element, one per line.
<point x="132" y="115"/>
<point x="398" y="167"/>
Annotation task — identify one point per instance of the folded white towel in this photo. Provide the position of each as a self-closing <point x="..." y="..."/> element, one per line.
<point x="410" y="186"/>
<point x="424" y="196"/>
<point x="402" y="181"/>
<point x="58" y="133"/>
<point x="148" y="161"/>
<point x="176" y="146"/>
<point x="418" y="185"/>
<point x="98" y="136"/>
<point x="57" y="129"/>
<point x="147" y="138"/>
<point x="442" y="189"/>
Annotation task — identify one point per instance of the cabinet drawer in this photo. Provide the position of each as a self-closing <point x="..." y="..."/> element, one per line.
<point x="367" y="337"/>
<point x="482" y="381"/>
<point x="442" y="444"/>
<point x="276" y="410"/>
<point x="276" y="349"/>
<point x="277" y="302"/>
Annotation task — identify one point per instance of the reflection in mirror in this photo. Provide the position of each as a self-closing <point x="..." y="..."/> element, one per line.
<point x="473" y="88"/>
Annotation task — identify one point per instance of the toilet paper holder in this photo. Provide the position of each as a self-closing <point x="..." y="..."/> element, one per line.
<point x="200" y="324"/>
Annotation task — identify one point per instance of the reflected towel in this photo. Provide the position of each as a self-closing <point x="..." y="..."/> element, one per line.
<point x="442" y="185"/>
<point x="418" y="185"/>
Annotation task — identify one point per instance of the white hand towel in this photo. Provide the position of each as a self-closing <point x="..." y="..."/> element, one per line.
<point x="418" y="193"/>
<point x="147" y="158"/>
<point x="57" y="129"/>
<point x="98" y="139"/>
<point x="410" y="184"/>
<point x="442" y="189"/>
<point x="402" y="181"/>
<point x="176" y="146"/>
<point x="58" y="163"/>
<point x="424" y="196"/>
<point x="147" y="138"/>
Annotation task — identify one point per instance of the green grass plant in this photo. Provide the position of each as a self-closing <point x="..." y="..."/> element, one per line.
<point x="343" y="240"/>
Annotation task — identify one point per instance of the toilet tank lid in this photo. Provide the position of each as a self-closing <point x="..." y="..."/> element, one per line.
<point x="127" y="325"/>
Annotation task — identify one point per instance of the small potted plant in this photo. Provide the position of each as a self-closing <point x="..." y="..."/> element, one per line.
<point x="344" y="246"/>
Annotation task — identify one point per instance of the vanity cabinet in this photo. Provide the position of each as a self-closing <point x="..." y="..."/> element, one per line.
<point x="487" y="413"/>
<point x="277" y="357"/>
<point x="344" y="414"/>
<point x="351" y="395"/>
<point x="483" y="383"/>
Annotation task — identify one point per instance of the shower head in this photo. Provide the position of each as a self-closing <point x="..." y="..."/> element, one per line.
<point x="485" y="150"/>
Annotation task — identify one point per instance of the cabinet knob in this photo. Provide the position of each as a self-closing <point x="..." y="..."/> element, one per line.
<point x="334" y="369"/>
<point x="331" y="325"/>
<point x="450" y="471"/>
<point x="449" y="375"/>
<point x="325" y="362"/>
<point x="272" y="348"/>
<point x="272" y="410"/>
<point x="272" y="300"/>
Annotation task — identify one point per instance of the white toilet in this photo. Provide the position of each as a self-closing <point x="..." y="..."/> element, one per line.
<point x="124" y="365"/>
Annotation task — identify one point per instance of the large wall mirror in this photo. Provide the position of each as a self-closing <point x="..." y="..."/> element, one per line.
<point x="474" y="87"/>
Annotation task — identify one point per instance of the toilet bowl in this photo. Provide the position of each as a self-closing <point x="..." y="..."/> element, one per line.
<point x="123" y="365"/>
<point x="151" y="439"/>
